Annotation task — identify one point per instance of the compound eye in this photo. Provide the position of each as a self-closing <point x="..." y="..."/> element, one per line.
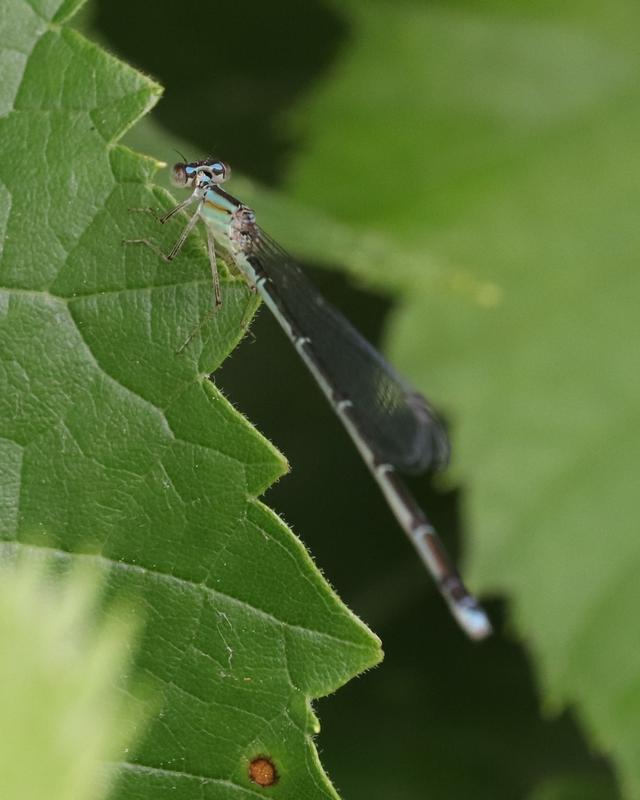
<point x="179" y="175"/>
<point x="220" y="171"/>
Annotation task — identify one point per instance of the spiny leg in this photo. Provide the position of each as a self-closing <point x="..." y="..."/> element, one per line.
<point x="211" y="250"/>
<point x="181" y="239"/>
<point x="235" y="270"/>
<point x="228" y="260"/>
<point x="177" y="247"/>
<point x="200" y="325"/>
<point x="170" y="213"/>
<point x="248" y="313"/>
<point x="151" y="245"/>
<point x="176" y="210"/>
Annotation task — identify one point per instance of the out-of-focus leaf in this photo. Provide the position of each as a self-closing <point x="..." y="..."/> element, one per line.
<point x="571" y="788"/>
<point x="62" y="714"/>
<point x="501" y="140"/>
<point x="113" y="444"/>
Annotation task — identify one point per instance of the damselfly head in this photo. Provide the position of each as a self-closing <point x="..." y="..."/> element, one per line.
<point x="211" y="170"/>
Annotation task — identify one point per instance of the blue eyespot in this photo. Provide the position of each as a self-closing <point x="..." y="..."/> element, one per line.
<point x="219" y="171"/>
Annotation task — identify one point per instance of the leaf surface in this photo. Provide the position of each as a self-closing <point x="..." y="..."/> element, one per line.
<point x="116" y="449"/>
<point x="500" y="144"/>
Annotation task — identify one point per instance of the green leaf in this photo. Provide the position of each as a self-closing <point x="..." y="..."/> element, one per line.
<point x="116" y="449"/>
<point x="501" y="143"/>
<point x="57" y="666"/>
<point x="569" y="788"/>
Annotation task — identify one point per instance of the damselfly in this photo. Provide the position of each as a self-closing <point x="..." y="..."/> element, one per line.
<point x="392" y="425"/>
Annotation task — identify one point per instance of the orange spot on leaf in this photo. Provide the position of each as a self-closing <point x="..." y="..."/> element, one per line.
<point x="262" y="771"/>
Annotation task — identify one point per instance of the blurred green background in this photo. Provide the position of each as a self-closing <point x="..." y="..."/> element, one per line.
<point x="492" y="148"/>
